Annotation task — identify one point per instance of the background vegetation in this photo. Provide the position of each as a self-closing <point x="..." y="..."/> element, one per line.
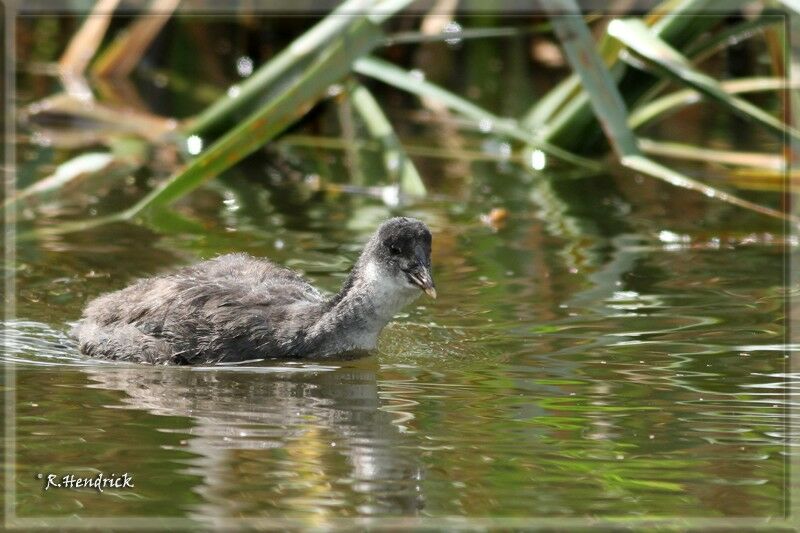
<point x="629" y="70"/>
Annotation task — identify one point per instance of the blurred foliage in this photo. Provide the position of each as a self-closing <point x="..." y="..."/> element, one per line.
<point x="621" y="67"/>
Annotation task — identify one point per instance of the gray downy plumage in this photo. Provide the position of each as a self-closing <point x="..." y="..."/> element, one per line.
<point x="236" y="307"/>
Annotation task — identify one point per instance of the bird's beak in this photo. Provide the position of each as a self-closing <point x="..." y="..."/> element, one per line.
<point x="421" y="277"/>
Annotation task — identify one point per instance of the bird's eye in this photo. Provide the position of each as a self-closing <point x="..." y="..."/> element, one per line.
<point x="394" y="250"/>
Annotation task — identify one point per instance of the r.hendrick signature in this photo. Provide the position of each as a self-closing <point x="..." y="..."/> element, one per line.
<point x="99" y="482"/>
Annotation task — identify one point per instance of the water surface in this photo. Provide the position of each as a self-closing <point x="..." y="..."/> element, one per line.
<point x="652" y="382"/>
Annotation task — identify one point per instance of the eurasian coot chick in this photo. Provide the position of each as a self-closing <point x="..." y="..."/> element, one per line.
<point x="237" y="307"/>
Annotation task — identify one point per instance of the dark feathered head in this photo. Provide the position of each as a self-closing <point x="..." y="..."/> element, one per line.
<point x="403" y="248"/>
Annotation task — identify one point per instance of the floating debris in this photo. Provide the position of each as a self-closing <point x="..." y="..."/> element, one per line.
<point x="496" y="218"/>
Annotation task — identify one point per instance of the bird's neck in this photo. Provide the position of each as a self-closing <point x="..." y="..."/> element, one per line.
<point x="367" y="301"/>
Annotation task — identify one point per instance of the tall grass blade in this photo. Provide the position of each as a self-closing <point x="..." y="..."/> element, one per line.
<point x="398" y="165"/>
<point x="434" y="152"/>
<point x="67" y="172"/>
<point x="689" y="152"/>
<point x="95" y="116"/>
<point x="675" y="21"/>
<point x="349" y="136"/>
<point x="596" y="78"/>
<point x="567" y="102"/>
<point x="438" y="17"/>
<point x="285" y="66"/>
<point x="550" y="103"/>
<point x="332" y="64"/>
<point x="673" y="102"/>
<point x="648" y="166"/>
<point x="127" y="155"/>
<point x="670" y="103"/>
<point x="84" y="43"/>
<point x="415" y="37"/>
<point x="610" y="108"/>
<point x="392" y="75"/>
<point x="705" y="47"/>
<point x="121" y="57"/>
<point x="756" y="179"/>
<point x="638" y="38"/>
<point x="679" y="21"/>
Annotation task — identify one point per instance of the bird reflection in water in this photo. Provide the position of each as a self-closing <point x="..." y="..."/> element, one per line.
<point x="287" y="440"/>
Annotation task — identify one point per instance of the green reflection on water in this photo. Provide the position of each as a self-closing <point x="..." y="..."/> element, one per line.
<point x="524" y="390"/>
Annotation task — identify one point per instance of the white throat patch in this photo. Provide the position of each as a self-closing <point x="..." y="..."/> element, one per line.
<point x="388" y="293"/>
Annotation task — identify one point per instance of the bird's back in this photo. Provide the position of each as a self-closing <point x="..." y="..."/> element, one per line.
<point x="233" y="307"/>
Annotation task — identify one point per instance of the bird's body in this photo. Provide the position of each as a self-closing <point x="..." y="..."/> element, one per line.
<point x="236" y="307"/>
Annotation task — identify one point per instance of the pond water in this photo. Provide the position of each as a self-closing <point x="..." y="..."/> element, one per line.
<point x="643" y="378"/>
<point x="611" y="349"/>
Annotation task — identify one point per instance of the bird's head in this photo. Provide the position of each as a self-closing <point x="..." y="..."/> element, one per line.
<point x="402" y="249"/>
